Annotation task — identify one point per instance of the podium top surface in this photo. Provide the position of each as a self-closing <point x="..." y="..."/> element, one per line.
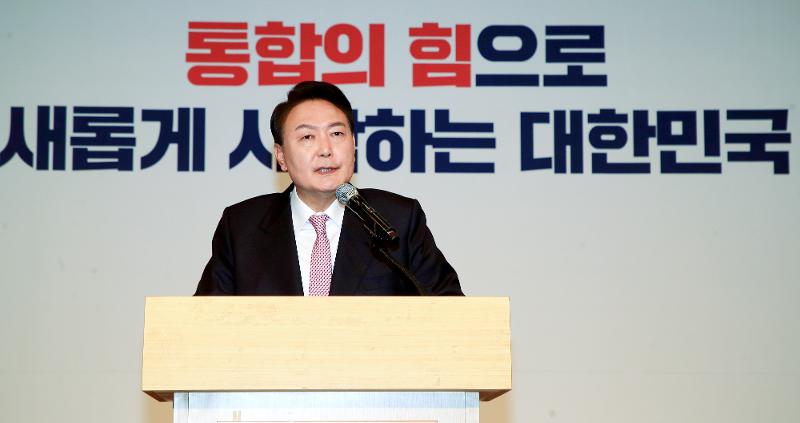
<point x="226" y="344"/>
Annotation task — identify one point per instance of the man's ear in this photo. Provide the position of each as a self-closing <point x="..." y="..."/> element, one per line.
<point x="280" y="158"/>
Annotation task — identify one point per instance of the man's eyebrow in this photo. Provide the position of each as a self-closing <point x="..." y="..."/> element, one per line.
<point x="305" y="126"/>
<point x="314" y="127"/>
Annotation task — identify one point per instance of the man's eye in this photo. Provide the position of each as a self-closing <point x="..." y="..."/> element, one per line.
<point x="338" y="133"/>
<point x="307" y="137"/>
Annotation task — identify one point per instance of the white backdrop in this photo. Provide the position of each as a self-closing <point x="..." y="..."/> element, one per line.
<point x="635" y="298"/>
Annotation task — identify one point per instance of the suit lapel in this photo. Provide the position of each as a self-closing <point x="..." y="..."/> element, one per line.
<point x="283" y="268"/>
<point x="352" y="257"/>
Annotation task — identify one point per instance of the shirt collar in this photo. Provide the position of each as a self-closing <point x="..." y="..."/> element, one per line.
<point x="301" y="212"/>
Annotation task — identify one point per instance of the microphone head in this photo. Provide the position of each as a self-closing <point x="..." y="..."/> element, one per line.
<point x="345" y="192"/>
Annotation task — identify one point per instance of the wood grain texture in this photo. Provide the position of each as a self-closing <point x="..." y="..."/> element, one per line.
<point x="326" y="344"/>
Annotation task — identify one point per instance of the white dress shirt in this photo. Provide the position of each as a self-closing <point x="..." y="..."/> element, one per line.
<point x="305" y="235"/>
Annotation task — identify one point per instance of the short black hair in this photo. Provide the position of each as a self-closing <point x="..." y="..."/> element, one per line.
<point x="304" y="91"/>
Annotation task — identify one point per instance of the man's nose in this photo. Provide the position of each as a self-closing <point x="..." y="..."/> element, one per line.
<point x="325" y="146"/>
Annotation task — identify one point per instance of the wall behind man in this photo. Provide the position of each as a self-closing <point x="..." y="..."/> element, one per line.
<point x="644" y="297"/>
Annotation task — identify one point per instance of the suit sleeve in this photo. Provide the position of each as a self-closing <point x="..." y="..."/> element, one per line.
<point x="426" y="260"/>
<point x="218" y="276"/>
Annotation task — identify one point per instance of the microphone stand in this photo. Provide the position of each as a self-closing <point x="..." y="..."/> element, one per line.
<point x="379" y="239"/>
<point x="381" y="245"/>
<point x="378" y="245"/>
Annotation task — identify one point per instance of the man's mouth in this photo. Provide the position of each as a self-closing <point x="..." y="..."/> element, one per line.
<point x="326" y="170"/>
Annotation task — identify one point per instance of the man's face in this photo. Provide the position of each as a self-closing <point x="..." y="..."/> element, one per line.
<point x="318" y="150"/>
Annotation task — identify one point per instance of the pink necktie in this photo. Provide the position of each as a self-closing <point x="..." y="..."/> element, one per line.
<point x="321" y="268"/>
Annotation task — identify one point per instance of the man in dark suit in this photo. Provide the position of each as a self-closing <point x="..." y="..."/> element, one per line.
<point x="302" y="241"/>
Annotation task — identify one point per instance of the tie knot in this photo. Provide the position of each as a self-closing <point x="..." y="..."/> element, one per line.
<point x="318" y="222"/>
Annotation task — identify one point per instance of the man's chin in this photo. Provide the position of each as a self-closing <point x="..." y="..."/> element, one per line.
<point x="328" y="183"/>
<point x="327" y="188"/>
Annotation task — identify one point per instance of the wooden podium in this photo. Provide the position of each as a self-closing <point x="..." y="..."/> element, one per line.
<point x="326" y="359"/>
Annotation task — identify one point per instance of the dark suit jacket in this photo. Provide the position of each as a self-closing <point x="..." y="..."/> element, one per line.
<point x="254" y="252"/>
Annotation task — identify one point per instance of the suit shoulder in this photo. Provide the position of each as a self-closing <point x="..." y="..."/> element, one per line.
<point x="379" y="196"/>
<point x="259" y="201"/>
<point x="256" y="207"/>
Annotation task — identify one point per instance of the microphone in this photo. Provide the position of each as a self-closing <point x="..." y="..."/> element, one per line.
<point x="378" y="229"/>
<point x="374" y="223"/>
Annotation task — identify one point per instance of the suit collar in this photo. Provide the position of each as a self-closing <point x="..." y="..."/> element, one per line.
<point x="352" y="257"/>
<point x="283" y="267"/>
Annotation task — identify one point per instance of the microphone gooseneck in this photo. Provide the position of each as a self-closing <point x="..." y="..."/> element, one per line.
<point x="380" y="231"/>
<point x="378" y="228"/>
